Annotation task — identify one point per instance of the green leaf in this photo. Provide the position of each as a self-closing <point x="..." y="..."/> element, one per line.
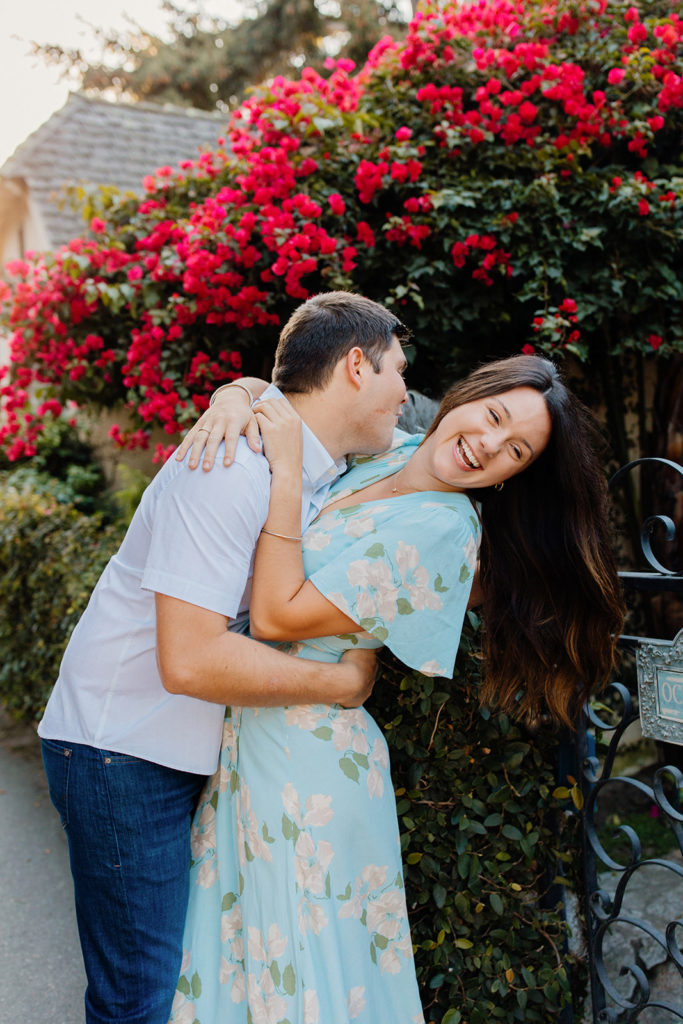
<point x="350" y="768"/>
<point x="183" y="986"/>
<point x="275" y="973"/>
<point x="289" y="980"/>
<point x="438" y="584"/>
<point x="451" y="1016"/>
<point x="465" y="572"/>
<point x="561" y="793"/>
<point x="511" y="832"/>
<point x="266" y="835"/>
<point x="323" y="732"/>
<point x="228" y="901"/>
<point x="196" y="985"/>
<point x="496" y="903"/>
<point x="376" y="551"/>
<point x="439" y="894"/>
<point x="404" y="606"/>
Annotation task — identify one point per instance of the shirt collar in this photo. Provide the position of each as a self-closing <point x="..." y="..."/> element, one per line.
<point x="318" y="465"/>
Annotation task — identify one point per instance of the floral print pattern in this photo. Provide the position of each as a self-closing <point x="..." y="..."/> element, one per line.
<point x="297" y="909"/>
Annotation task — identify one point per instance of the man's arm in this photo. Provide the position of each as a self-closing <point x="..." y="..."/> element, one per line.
<point x="198" y="657"/>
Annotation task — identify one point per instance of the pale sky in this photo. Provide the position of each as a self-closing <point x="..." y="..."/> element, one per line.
<point x="30" y="92"/>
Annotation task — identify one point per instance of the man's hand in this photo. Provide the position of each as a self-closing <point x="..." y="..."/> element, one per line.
<point x="362" y="669"/>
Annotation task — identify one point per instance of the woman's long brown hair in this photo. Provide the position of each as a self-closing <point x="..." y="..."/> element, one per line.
<point x="552" y="600"/>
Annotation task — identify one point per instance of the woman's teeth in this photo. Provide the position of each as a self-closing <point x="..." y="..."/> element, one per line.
<point x="467" y="454"/>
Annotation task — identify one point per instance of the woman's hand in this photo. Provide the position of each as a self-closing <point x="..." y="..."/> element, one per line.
<point x="280" y="428"/>
<point x="228" y="417"/>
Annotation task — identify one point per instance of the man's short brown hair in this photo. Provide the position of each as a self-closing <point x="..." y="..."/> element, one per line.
<point x="321" y="331"/>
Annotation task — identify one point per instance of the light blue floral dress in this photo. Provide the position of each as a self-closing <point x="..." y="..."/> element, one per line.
<point x="297" y="907"/>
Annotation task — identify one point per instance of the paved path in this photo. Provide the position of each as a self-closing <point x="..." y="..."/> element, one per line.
<point x="41" y="974"/>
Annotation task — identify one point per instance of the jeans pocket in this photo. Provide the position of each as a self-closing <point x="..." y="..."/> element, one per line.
<point x="114" y="757"/>
<point x="57" y="763"/>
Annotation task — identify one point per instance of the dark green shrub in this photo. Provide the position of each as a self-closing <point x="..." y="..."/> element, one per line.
<point x="63" y="468"/>
<point x="483" y="839"/>
<point x="51" y="556"/>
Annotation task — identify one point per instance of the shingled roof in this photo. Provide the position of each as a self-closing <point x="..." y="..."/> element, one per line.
<point x="96" y="142"/>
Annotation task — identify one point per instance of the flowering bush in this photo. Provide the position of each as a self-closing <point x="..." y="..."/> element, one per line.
<point x="508" y="177"/>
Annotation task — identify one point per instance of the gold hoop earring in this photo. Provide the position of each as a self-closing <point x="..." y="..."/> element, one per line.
<point x="499" y="486"/>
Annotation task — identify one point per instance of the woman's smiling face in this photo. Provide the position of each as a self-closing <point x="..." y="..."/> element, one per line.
<point x="485" y="442"/>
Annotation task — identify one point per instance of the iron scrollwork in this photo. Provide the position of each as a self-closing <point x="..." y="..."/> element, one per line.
<point x="609" y="910"/>
<point x="609" y="913"/>
<point x="652" y="522"/>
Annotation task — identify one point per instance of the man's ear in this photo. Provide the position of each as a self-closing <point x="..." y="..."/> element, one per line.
<point x="354" y="366"/>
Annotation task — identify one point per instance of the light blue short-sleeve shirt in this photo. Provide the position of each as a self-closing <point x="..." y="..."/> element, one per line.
<point x="193" y="538"/>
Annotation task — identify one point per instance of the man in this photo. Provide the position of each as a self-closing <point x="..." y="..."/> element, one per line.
<point x="134" y="724"/>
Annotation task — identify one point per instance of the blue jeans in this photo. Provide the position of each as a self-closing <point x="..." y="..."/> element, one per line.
<point x="128" y="826"/>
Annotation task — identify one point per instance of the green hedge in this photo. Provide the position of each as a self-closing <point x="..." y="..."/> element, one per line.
<point x="484" y="840"/>
<point x="51" y="556"/>
<point x="478" y="819"/>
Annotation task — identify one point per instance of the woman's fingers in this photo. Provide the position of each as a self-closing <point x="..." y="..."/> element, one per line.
<point x="252" y="434"/>
<point x="214" y="426"/>
<point x="281" y="431"/>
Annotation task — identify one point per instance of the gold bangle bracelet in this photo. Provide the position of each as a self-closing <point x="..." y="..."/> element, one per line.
<point x="282" y="536"/>
<point x="232" y="384"/>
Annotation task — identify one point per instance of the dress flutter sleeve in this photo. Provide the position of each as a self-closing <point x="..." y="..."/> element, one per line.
<point x="405" y="574"/>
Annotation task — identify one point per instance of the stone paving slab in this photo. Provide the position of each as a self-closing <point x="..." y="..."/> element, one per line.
<point x="42" y="980"/>
<point x="654" y="894"/>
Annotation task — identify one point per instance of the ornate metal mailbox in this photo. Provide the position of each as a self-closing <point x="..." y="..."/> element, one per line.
<point x="660" y="688"/>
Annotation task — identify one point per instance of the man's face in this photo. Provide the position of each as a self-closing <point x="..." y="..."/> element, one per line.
<point x="382" y="396"/>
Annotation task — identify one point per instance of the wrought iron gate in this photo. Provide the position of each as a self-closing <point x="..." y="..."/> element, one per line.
<point x="622" y="945"/>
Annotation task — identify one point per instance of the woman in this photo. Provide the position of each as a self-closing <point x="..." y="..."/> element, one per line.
<point x="298" y="912"/>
